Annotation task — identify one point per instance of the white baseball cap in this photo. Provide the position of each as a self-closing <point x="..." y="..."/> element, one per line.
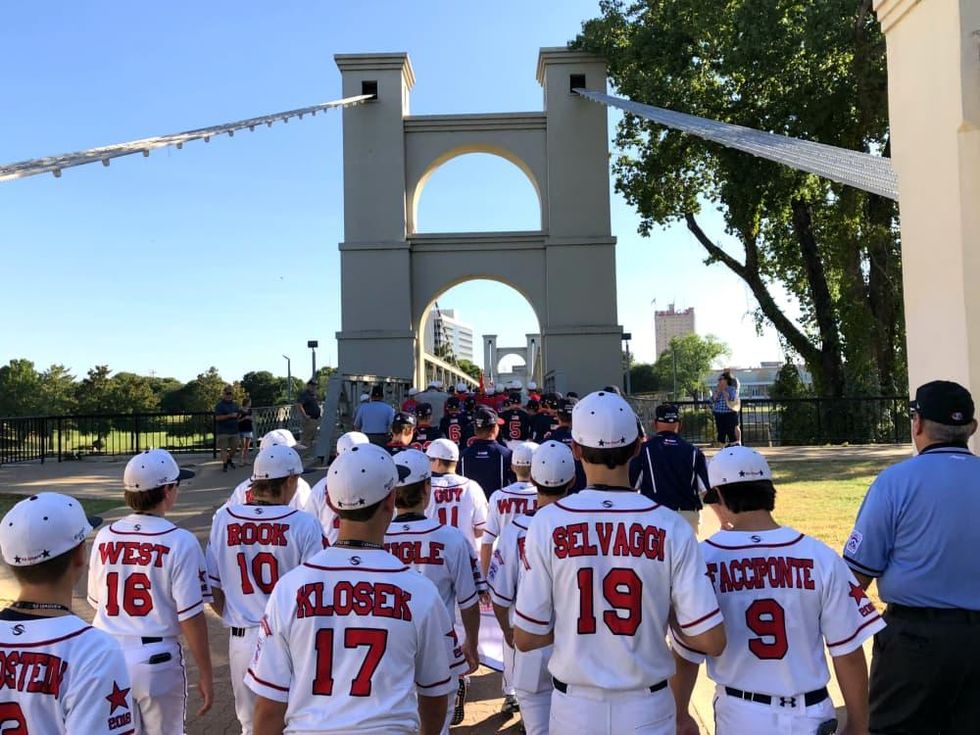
<point x="444" y="449"/>
<point x="532" y="385"/>
<point x="365" y="398"/>
<point x="437" y="384"/>
<point x="418" y="466"/>
<point x="499" y="389"/>
<point x="516" y="384"/>
<point x="523" y="453"/>
<point x="351" y="439"/>
<point x="433" y="383"/>
<point x="553" y="464"/>
<point x="278" y="436"/>
<point x="275" y="462"/>
<point x="460" y="387"/>
<point x="413" y="391"/>
<point x="43" y="526"/>
<point x="362" y="476"/>
<point x="737" y="464"/>
<point x="603" y="420"/>
<point x="151" y="469"/>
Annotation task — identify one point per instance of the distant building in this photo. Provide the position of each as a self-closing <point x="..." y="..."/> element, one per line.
<point x="444" y="330"/>
<point x="756" y="382"/>
<point x="668" y="324"/>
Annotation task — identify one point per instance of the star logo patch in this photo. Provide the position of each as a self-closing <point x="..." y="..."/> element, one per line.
<point x="117" y="700"/>
<point x="858" y="593"/>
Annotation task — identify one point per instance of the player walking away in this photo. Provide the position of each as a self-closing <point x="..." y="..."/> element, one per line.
<point x="425" y="432"/>
<point x="604" y="570"/>
<point x="326" y="513"/>
<point x="354" y="641"/>
<point x="60" y="675"/>
<point x="148" y="584"/>
<point x="552" y="475"/>
<point x="563" y="434"/>
<point x="532" y="392"/>
<point x="669" y="470"/>
<point x="410" y="404"/>
<point x="251" y="546"/>
<point x="402" y="432"/>
<point x="452" y="424"/>
<point x="456" y="500"/>
<point x="784" y="596"/>
<point x="486" y="460"/>
<point x="442" y="554"/>
<point x="517" y="424"/>
<point x="545" y="420"/>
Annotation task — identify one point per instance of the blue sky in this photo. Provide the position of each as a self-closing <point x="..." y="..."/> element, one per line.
<point x="225" y="253"/>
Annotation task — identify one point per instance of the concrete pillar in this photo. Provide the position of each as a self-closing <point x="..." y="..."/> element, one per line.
<point x="934" y="109"/>
<point x="534" y="357"/>
<point x="489" y="356"/>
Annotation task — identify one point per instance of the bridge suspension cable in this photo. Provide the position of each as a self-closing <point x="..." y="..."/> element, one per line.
<point x="854" y="168"/>
<point x="55" y="164"/>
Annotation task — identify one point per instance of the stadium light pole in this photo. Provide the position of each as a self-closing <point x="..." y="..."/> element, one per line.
<point x="313" y="344"/>
<point x="289" y="378"/>
<point x="627" y="336"/>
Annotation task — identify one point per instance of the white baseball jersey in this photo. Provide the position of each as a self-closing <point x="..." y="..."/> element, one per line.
<point x="506" y="504"/>
<point x="145" y="577"/>
<point x="319" y="506"/>
<point x="347" y="641"/>
<point x="460" y="502"/>
<point x="250" y="548"/>
<point x="607" y="567"/>
<point x="61" y="676"/>
<point x="784" y="596"/>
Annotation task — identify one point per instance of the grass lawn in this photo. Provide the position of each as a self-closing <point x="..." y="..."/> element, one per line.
<point x="92" y="506"/>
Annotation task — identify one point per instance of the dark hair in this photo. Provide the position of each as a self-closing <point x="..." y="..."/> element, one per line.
<point x="548" y="490"/>
<point x="611" y="458"/>
<point x="270" y="488"/>
<point x="377" y="391"/>
<point x="408" y="496"/>
<point x="46" y="572"/>
<point x="360" y="515"/>
<point x="145" y="500"/>
<point x="484" y="431"/>
<point x="742" y="497"/>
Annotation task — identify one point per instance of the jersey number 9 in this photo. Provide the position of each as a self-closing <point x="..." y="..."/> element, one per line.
<point x="767" y="619"/>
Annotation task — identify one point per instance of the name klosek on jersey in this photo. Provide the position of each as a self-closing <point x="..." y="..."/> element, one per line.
<point x="380" y="599"/>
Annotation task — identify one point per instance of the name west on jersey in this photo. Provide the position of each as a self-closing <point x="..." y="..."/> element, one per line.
<point x="380" y="599"/>
<point x="135" y="553"/>
<point x="614" y="539"/>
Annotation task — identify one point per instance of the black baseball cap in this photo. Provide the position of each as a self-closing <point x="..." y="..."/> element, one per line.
<point x="485" y="417"/>
<point x="533" y="404"/>
<point x="944" y="402"/>
<point x="550" y="400"/>
<point x="423" y="410"/>
<point x="668" y="413"/>
<point x="514" y="399"/>
<point x="452" y="402"/>
<point x="565" y="406"/>
<point x="403" y="419"/>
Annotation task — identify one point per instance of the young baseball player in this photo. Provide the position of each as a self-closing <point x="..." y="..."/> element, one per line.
<point x="552" y="475"/>
<point x="605" y="568"/>
<point x="452" y="424"/>
<point x="425" y="432"/>
<point x="545" y="419"/>
<point x="250" y="548"/>
<point x="402" y="432"/>
<point x="440" y="553"/>
<point x="784" y="596"/>
<point x="354" y="640"/>
<point x="455" y="501"/>
<point x="517" y="424"/>
<point x="508" y="502"/>
<point x="60" y="675"/>
<point x="148" y="584"/>
<point x="240" y="495"/>
<point x="329" y="520"/>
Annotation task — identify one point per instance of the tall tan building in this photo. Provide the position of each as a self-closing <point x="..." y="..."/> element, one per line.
<point x="668" y="323"/>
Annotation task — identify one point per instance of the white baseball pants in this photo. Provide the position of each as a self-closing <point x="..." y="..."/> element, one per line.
<point x="591" y="711"/>
<point x="535" y="710"/>
<point x="159" y="688"/>
<point x="735" y="716"/>
<point x="240" y="652"/>
<point x="507" y="676"/>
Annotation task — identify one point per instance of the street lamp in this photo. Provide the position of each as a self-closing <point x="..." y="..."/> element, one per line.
<point x="289" y="378"/>
<point x="313" y="344"/>
<point x="627" y="336"/>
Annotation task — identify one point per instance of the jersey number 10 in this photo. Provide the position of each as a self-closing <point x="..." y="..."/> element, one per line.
<point x="265" y="572"/>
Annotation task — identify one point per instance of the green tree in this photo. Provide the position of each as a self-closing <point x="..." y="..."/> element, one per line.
<point x="470" y="368"/>
<point x="58" y="391"/>
<point x="643" y="378"/>
<point x="695" y="356"/>
<point x="94" y="394"/>
<point x="20" y="389"/>
<point x="131" y="393"/>
<point x="813" y="70"/>
<point x="788" y="383"/>
<point x="263" y="388"/>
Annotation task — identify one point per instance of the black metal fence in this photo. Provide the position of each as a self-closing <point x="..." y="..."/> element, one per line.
<point x="799" y="421"/>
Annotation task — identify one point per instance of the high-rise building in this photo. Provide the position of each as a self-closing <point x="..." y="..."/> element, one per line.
<point x="669" y="323"/>
<point x="443" y="332"/>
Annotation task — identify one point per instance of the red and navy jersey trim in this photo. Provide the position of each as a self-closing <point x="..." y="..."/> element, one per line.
<point x="756" y="546"/>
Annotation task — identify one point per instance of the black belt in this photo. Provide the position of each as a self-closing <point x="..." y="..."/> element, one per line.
<point x="938" y="614"/>
<point x="810" y="698"/>
<point x="563" y="687"/>
<point x="238" y="632"/>
<point x="147" y="640"/>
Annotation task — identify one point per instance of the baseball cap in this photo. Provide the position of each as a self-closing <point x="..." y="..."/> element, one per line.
<point x="403" y="419"/>
<point x="152" y="468"/>
<point x="516" y="385"/>
<point x="423" y="410"/>
<point x="452" y="402"/>
<point x="350" y="439"/>
<point x="566" y="406"/>
<point x="667" y="413"/>
<point x="413" y="391"/>
<point x="944" y="402"/>
<point x="444" y="449"/>
<point x="418" y="466"/>
<point x="43" y="526"/>
<point x="553" y="464"/>
<point x="533" y="404"/>
<point x="437" y="384"/>
<point x="522" y="454"/>
<point x="276" y="461"/>
<point x="278" y="436"/>
<point x="532" y="385"/>
<point x="361" y="477"/>
<point x="365" y="398"/>
<point x="461" y="387"/>
<point x="737" y="464"/>
<point x="499" y="389"/>
<point x="485" y="417"/>
<point x="603" y="420"/>
<point x="549" y="400"/>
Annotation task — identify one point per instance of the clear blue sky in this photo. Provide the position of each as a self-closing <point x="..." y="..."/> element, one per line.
<point x="225" y="253"/>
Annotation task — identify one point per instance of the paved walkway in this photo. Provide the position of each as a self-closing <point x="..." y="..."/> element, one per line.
<point x="203" y="494"/>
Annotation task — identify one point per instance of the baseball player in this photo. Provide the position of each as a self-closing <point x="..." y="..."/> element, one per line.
<point x="545" y="420"/>
<point x="486" y="460"/>
<point x="60" y="675"/>
<point x="425" y="432"/>
<point x="605" y="569"/>
<point x="454" y="422"/>
<point x="784" y="596"/>
<point x="563" y="433"/>
<point x="329" y="520"/>
<point x="410" y="404"/>
<point x="455" y="501"/>
<point x="508" y="502"/>
<point x="517" y="424"/>
<point x="354" y="640"/>
<point x="442" y="554"/>
<point x="251" y="546"/>
<point x="552" y="474"/>
<point x="148" y="584"/>
<point x="402" y="432"/>
<point x="240" y="495"/>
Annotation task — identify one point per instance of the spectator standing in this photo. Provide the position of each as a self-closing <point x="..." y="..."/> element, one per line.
<point x="309" y="408"/>
<point x="410" y="403"/>
<point x="226" y="427"/>
<point x="916" y="535"/>
<point x="374" y="418"/>
<point x="435" y="397"/>
<point x="245" y="434"/>
<point x="725" y="405"/>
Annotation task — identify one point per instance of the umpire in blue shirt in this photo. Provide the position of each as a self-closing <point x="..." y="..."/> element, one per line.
<point x="669" y="470"/>
<point x="916" y="534"/>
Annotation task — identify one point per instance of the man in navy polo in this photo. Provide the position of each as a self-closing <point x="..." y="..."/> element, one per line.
<point x="669" y="470"/>
<point x="916" y="535"/>
<point x="486" y="460"/>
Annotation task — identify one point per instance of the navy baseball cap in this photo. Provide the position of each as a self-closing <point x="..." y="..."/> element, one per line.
<point x="565" y="406"/>
<point x="944" y="402"/>
<point x="550" y="400"/>
<point x="423" y="410"/>
<point x="667" y="413"/>
<point x="403" y="419"/>
<point x="452" y="402"/>
<point x="486" y="417"/>
<point x="533" y="404"/>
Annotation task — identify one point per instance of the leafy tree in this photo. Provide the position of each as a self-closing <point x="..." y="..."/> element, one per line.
<point x="813" y="70"/>
<point x="20" y="389"/>
<point x="788" y="383"/>
<point x="470" y="368"/>
<point x="58" y="391"/>
<point x="131" y="393"/>
<point x="262" y="387"/>
<point x="94" y="393"/>
<point x="643" y="378"/>
<point x="695" y="356"/>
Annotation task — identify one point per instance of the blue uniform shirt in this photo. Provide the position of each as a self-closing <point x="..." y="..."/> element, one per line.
<point x="916" y="531"/>
<point x="374" y="417"/>
<point x="487" y="462"/>
<point x="670" y="471"/>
